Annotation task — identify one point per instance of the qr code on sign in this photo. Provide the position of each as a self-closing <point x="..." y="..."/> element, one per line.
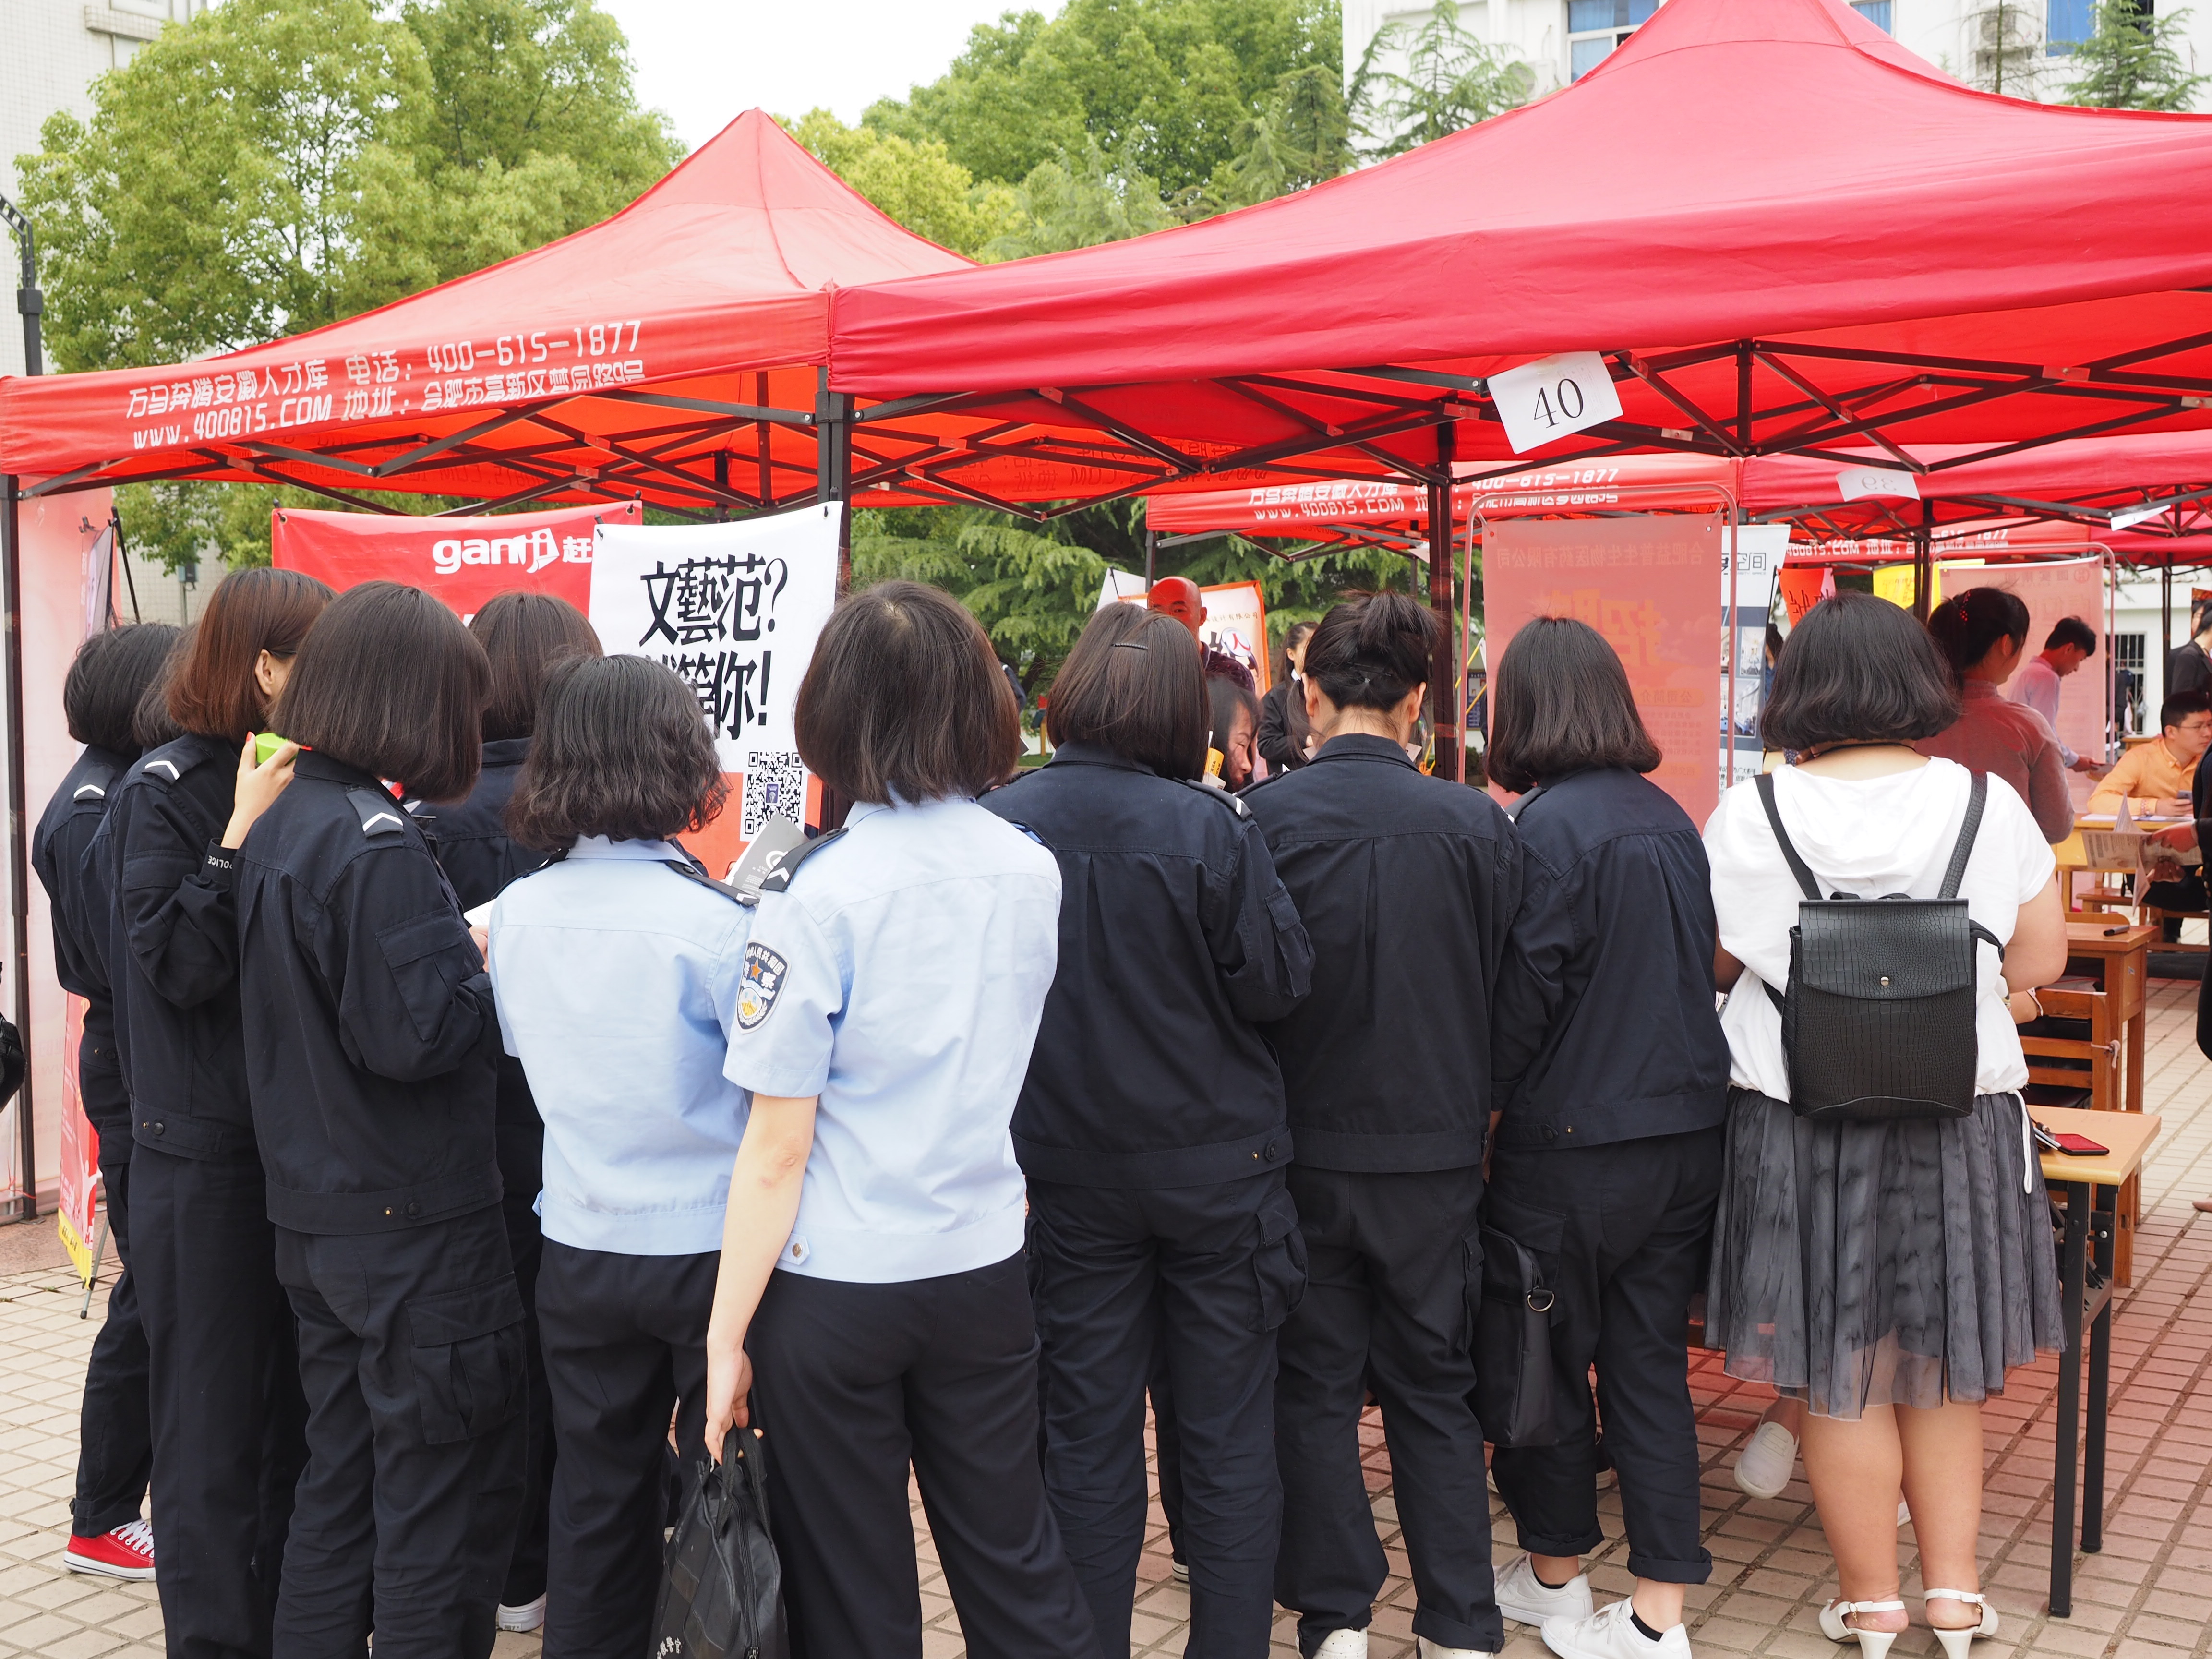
<point x="775" y="787"/>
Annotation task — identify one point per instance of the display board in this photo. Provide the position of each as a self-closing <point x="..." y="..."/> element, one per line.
<point x="2061" y="588"/>
<point x="1760" y="549"/>
<point x="1235" y="619"/>
<point x="1646" y="583"/>
<point x="734" y="610"/>
<point x="462" y="561"/>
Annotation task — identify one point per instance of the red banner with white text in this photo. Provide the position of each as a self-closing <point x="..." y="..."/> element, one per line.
<point x="462" y="561"/>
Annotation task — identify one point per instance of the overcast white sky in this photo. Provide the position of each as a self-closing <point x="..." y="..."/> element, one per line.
<point x="704" y="62"/>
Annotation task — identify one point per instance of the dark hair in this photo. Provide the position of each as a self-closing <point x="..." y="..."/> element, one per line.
<point x="1857" y="670"/>
<point x="621" y="750"/>
<point x="1559" y="703"/>
<point x="2181" y="705"/>
<point x="524" y="634"/>
<point x="2072" y="630"/>
<point x="1134" y="685"/>
<point x="212" y="691"/>
<point x="1291" y="636"/>
<point x="905" y="697"/>
<point x="1968" y="624"/>
<point x="108" y="677"/>
<point x="389" y="681"/>
<point x="1371" y="650"/>
<point x="1225" y="699"/>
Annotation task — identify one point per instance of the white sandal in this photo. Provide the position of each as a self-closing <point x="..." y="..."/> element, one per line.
<point x="1873" y="1643"/>
<point x="1956" y="1641"/>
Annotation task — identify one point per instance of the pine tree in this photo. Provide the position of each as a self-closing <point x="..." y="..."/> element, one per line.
<point x="2131" y="60"/>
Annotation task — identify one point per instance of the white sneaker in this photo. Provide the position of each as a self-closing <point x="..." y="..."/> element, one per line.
<point x="1179" y="1571"/>
<point x="1343" y="1644"/>
<point x="1521" y="1595"/>
<point x="1608" y="1634"/>
<point x="531" y="1615"/>
<point x="1428" y="1650"/>
<point x="1763" y="1467"/>
<point x="1904" y="1513"/>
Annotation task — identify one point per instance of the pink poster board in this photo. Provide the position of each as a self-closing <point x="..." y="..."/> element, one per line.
<point x="2063" y="587"/>
<point x="1646" y="583"/>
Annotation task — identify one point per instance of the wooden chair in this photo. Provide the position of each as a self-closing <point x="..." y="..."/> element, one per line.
<point x="2074" y="1059"/>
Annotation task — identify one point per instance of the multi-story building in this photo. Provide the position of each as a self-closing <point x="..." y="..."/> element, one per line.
<point x="51" y="53"/>
<point x="2020" y="47"/>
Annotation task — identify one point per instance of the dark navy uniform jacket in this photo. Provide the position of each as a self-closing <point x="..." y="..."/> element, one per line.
<point x="478" y="856"/>
<point x="1407" y="885"/>
<point x="1175" y="937"/>
<point x="173" y="949"/>
<point x="369" y="1027"/>
<point x="1606" y="1028"/>
<point x="79" y="908"/>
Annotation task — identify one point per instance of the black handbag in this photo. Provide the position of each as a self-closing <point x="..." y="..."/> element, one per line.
<point x="1878" y="1017"/>
<point x="721" y="1587"/>
<point x="1513" y="1384"/>
<point x="14" y="1061"/>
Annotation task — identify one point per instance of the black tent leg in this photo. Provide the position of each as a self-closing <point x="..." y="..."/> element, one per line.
<point x="19" y="886"/>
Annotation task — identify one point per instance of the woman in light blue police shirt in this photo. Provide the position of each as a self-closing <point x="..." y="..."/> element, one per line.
<point x="873" y="1300"/>
<point x="617" y="976"/>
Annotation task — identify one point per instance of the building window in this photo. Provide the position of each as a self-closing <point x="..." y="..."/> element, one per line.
<point x="1594" y="27"/>
<point x="2068" y="23"/>
<point x="1877" y="12"/>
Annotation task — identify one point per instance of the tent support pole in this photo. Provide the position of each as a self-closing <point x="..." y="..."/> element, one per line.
<point x="19" y="887"/>
<point x="1152" y="557"/>
<point x="2165" y="625"/>
<point x="833" y="484"/>
<point x="1923" y="560"/>
<point x="1443" y="689"/>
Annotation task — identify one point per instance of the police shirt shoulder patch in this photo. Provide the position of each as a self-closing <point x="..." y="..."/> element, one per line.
<point x="378" y="813"/>
<point x="759" y="983"/>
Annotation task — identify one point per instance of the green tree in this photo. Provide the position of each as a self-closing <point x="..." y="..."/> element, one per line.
<point x="1303" y="136"/>
<point x="916" y="183"/>
<point x="2132" y="60"/>
<point x="1161" y="86"/>
<point x="1451" y="80"/>
<point x="1080" y="200"/>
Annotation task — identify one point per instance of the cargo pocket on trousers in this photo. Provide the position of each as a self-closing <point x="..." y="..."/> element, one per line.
<point x="1279" y="1265"/>
<point x="469" y="1359"/>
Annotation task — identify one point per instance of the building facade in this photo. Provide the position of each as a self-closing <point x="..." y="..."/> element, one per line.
<point x="2019" y="47"/>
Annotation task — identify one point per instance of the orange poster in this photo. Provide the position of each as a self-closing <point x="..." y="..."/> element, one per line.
<point x="1646" y="583"/>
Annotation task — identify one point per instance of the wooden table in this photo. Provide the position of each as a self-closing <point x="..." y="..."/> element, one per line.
<point x="2122" y="953"/>
<point x="2091" y="1186"/>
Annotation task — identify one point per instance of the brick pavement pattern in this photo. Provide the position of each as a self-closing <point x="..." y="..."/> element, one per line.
<point x="2148" y="1596"/>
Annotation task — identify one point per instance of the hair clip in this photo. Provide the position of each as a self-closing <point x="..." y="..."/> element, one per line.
<point x="1131" y="645"/>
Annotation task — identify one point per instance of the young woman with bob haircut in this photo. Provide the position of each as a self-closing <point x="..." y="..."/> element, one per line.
<point x="371" y="1034"/>
<point x="617" y="968"/>
<point x="1405" y="885"/>
<point x="1152" y="1129"/>
<point x="1886" y="1274"/>
<point x="108" y="680"/>
<point x="872" y="1303"/>
<point x="1609" y="1078"/>
<point x="226" y="1409"/>
<point x="1982" y="634"/>
<point x="524" y="636"/>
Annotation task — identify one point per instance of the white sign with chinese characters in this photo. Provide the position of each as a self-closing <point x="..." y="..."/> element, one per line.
<point x="734" y="609"/>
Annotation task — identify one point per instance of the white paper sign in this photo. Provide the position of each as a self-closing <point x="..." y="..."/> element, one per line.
<point x="2125" y="516"/>
<point x="1552" y="397"/>
<point x="1855" y="483"/>
<point x="734" y="609"/>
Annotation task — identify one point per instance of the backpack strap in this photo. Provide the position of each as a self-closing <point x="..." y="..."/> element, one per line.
<point x="1798" y="866"/>
<point x="1978" y="792"/>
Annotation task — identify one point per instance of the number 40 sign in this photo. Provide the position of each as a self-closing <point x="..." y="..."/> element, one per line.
<point x="1552" y="397"/>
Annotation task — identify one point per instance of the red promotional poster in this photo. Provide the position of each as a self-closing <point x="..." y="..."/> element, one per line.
<point x="1645" y="583"/>
<point x="463" y="560"/>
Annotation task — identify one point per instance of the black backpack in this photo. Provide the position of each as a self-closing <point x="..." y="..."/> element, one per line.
<point x="1878" y="1020"/>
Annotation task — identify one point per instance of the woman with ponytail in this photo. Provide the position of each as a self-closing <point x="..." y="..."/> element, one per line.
<point x="1982" y="633"/>
<point x="1407" y="885"/>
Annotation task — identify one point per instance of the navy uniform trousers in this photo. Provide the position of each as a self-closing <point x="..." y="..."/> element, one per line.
<point x="115" y="1438"/>
<point x="625" y="1340"/>
<point x="1203" y="1276"/>
<point x="1623" y="1231"/>
<point x="853" y="1383"/>
<point x="522" y="1149"/>
<point x="226" y="1406"/>
<point x="1391" y="1261"/>
<point x="411" y="1351"/>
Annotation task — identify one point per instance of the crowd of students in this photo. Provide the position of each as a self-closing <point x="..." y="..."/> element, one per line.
<point x="1022" y="1097"/>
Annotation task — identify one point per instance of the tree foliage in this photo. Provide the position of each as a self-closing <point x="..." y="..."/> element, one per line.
<point x="2132" y="60"/>
<point x="1451" y="80"/>
<point x="1080" y="200"/>
<point x="916" y="182"/>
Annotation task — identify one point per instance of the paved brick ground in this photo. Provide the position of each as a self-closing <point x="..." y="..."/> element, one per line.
<point x="2148" y="1596"/>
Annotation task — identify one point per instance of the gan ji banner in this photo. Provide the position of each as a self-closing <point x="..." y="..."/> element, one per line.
<point x="462" y="561"/>
<point x="734" y="609"/>
<point x="1646" y="583"/>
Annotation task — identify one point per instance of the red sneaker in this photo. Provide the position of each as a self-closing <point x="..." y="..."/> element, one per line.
<point x="125" y="1552"/>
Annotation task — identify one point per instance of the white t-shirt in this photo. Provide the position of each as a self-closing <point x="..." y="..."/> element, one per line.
<point x="1870" y="836"/>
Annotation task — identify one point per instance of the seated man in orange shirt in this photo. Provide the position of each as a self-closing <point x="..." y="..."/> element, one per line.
<point x="2156" y="777"/>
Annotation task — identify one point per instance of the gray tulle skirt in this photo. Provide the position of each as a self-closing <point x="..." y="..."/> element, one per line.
<point x="1897" y="1263"/>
